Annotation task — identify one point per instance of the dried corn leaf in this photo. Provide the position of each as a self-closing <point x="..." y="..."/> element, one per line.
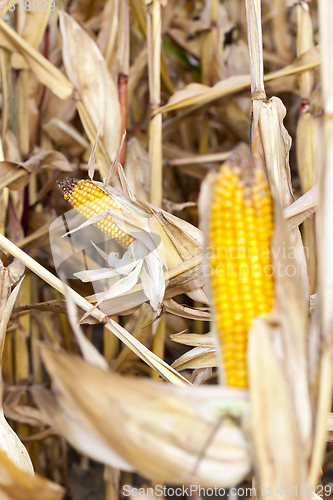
<point x="176" y="436"/>
<point x="76" y="430"/>
<point x="137" y="169"/>
<point x="16" y="485"/>
<point x="149" y="357"/>
<point x="65" y="135"/>
<point x="306" y="202"/>
<point x="13" y="176"/>
<point x="45" y="72"/>
<point x="199" y="357"/>
<point x="16" y="175"/>
<point x="89" y="351"/>
<point x="14" y="449"/>
<point x="201" y="314"/>
<point x="301" y="209"/>
<point x="88" y="71"/>
<point x="193" y="339"/>
<point x="7" y="301"/>
<point x="24" y="414"/>
<point x="196" y="94"/>
<point x="33" y="32"/>
<point x="9" y="441"/>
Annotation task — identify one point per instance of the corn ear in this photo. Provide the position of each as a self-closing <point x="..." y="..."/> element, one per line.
<point x="239" y="239"/>
<point x="89" y="200"/>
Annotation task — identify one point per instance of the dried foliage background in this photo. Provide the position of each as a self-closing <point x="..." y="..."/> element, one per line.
<point x="187" y="80"/>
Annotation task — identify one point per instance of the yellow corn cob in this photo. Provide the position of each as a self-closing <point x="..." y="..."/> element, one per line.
<point x="89" y="200"/>
<point x="240" y="230"/>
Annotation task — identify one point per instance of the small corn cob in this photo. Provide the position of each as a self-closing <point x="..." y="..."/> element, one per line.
<point x="239" y="235"/>
<point x="89" y="200"/>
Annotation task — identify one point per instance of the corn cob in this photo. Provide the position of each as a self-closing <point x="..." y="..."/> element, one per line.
<point x="239" y="235"/>
<point x="89" y="200"/>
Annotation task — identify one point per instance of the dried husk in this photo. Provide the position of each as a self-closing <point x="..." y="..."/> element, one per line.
<point x="272" y="425"/>
<point x="180" y="437"/>
<point x="270" y="149"/>
<point x="293" y="317"/>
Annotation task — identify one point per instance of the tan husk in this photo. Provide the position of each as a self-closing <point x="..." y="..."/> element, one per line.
<point x="272" y="425"/>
